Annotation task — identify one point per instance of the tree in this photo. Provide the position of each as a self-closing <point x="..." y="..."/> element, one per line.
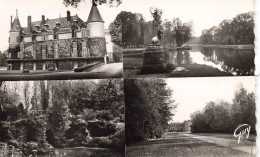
<point x="44" y="95"/>
<point x="207" y="36"/>
<point x="75" y="3"/>
<point x="131" y="26"/>
<point x="115" y="30"/>
<point x="199" y="124"/>
<point x="58" y="115"/>
<point x="81" y="96"/>
<point x="109" y="98"/>
<point x="149" y="107"/>
<point x="243" y="109"/>
<point x="26" y="94"/>
<point x="168" y="37"/>
<point x="182" y="32"/>
<point x="239" y="30"/>
<point x="222" y="117"/>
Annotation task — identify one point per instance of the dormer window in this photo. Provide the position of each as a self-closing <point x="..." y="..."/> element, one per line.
<point x="44" y="34"/>
<point x="58" y="24"/>
<point x="55" y="33"/>
<point x="46" y="26"/>
<point x="37" y="27"/>
<point x="74" y="31"/>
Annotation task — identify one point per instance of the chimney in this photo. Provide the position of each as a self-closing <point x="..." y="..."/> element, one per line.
<point x="11" y="21"/>
<point x="68" y="16"/>
<point x="43" y="19"/>
<point x="29" y="23"/>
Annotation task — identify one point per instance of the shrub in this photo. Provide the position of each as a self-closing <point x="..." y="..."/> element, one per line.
<point x="100" y="128"/>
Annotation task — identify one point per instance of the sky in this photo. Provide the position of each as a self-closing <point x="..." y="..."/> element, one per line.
<point x="203" y="13"/>
<point x="192" y="94"/>
<point x="51" y="9"/>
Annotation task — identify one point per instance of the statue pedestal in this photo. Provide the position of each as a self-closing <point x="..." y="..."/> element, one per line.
<point x="153" y="60"/>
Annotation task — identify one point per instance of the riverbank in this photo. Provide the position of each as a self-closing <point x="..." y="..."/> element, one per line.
<point x="231" y="46"/>
<point x="132" y="69"/>
<point x="141" y="49"/>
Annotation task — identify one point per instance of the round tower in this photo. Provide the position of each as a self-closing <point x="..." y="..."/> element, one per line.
<point x="96" y="33"/>
<point x="14" y="32"/>
<point x="95" y="23"/>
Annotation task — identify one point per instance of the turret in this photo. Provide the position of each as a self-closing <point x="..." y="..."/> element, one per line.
<point x="15" y="31"/>
<point x="95" y="23"/>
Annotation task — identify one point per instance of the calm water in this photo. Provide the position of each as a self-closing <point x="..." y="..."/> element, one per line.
<point x="236" y="61"/>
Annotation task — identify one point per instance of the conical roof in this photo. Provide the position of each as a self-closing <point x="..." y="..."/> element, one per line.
<point x="16" y="26"/>
<point x="94" y="15"/>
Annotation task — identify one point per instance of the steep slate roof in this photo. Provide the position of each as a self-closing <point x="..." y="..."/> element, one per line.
<point x="16" y="26"/>
<point x="94" y="15"/>
<point x="75" y="20"/>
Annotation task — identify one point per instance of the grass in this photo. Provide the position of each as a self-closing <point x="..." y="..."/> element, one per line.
<point x="252" y="137"/>
<point x="132" y="69"/>
<point x="180" y="146"/>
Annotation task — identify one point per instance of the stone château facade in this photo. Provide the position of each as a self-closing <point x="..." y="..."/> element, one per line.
<point x="62" y="44"/>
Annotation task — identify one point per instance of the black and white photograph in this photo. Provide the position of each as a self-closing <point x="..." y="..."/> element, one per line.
<point x="198" y="38"/>
<point x="190" y="117"/>
<point x="134" y="78"/>
<point x="62" y="118"/>
<point x="61" y="39"/>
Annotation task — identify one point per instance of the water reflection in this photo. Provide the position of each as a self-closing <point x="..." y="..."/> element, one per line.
<point x="235" y="61"/>
<point x="183" y="57"/>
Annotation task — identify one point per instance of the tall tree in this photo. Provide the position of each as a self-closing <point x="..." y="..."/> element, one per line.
<point x="243" y="109"/>
<point x="149" y="107"/>
<point x="239" y="30"/>
<point x="130" y="25"/>
<point x="182" y="32"/>
<point x="26" y="94"/>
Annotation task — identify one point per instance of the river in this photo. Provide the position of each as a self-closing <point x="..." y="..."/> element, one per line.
<point x="239" y="62"/>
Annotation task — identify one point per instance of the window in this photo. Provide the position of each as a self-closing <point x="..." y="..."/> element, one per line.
<point x="74" y="33"/>
<point x="43" y="36"/>
<point x="34" y="37"/>
<point x="55" y="34"/>
<point x="83" y="32"/>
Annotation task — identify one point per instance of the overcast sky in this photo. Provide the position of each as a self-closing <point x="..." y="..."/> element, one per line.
<point x="192" y="94"/>
<point x="50" y="8"/>
<point x="204" y="13"/>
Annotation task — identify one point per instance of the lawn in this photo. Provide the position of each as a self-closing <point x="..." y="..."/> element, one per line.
<point x="180" y="146"/>
<point x="252" y="137"/>
<point x="132" y="69"/>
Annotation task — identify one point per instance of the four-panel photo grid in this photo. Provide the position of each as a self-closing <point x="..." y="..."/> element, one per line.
<point x="134" y="78"/>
